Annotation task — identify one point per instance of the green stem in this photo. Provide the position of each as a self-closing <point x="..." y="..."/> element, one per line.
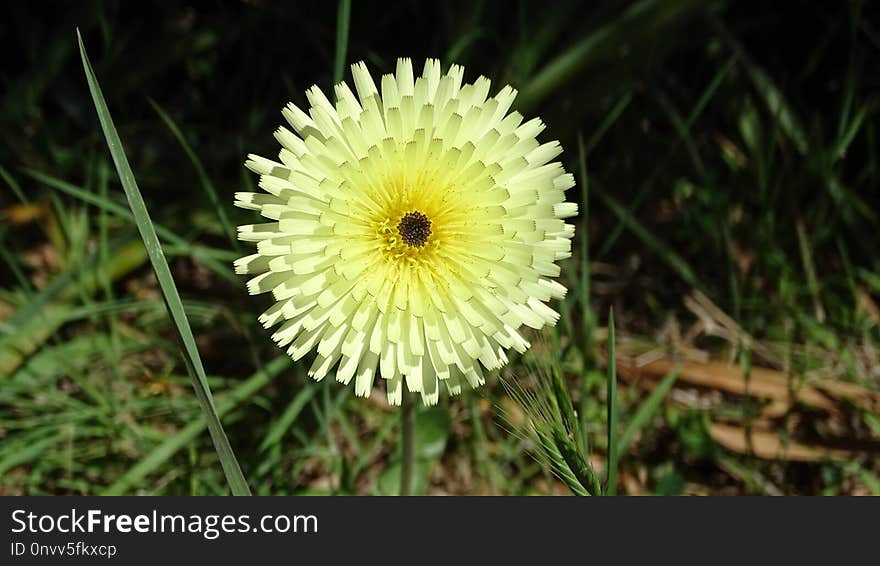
<point x="408" y="422"/>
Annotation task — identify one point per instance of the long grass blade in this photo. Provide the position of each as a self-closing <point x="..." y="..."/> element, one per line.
<point x="651" y="241"/>
<point x="611" y="474"/>
<point x="646" y="411"/>
<point x="587" y="314"/>
<point x="204" y="179"/>
<point x="639" y="21"/>
<point x="343" y="19"/>
<point x="289" y="416"/>
<point x="234" y="477"/>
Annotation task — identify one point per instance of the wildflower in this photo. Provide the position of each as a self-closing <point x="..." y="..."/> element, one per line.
<point x="413" y="232"/>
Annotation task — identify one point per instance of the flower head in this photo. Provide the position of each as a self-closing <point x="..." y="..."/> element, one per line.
<point x="412" y="231"/>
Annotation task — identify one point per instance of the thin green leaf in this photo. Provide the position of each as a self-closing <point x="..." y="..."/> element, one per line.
<point x="849" y="134"/>
<point x="204" y="179"/>
<point x="674" y="260"/>
<point x="638" y="22"/>
<point x="13" y="185"/>
<point x="587" y="315"/>
<point x="289" y="416"/>
<point x="193" y="361"/>
<point x="611" y="472"/>
<point x="609" y="120"/>
<point x="343" y="19"/>
<point x="806" y="250"/>
<point x="646" y="411"/>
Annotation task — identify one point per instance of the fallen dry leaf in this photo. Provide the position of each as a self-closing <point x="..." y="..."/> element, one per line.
<point x="762" y="383"/>
<point x="24" y="213"/>
<point x="768" y="445"/>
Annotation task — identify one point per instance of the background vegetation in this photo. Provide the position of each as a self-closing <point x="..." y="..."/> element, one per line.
<point x="727" y="158"/>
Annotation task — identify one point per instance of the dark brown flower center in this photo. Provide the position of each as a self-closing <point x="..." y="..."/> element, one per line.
<point x="414" y="229"/>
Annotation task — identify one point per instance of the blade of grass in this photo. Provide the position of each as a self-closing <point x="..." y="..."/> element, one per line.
<point x="611" y="472"/>
<point x="231" y="469"/>
<point x="646" y="411"/>
<point x="587" y="315"/>
<point x="772" y="95"/>
<point x="288" y="417"/>
<point x="343" y="19"/>
<point x="204" y="179"/>
<point x="536" y="38"/>
<point x="13" y="185"/>
<point x="637" y="23"/>
<point x="15" y="267"/>
<point x="674" y="260"/>
<point x="679" y="124"/>
<point x="848" y="135"/>
<point x="848" y="125"/>
<point x="105" y="282"/>
<point x="809" y="269"/>
<point x="609" y="120"/>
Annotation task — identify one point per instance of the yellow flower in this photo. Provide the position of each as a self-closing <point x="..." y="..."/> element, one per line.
<point x="412" y="233"/>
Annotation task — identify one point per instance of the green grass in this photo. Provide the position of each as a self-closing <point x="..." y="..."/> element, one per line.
<point x="611" y="409"/>
<point x="717" y="149"/>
